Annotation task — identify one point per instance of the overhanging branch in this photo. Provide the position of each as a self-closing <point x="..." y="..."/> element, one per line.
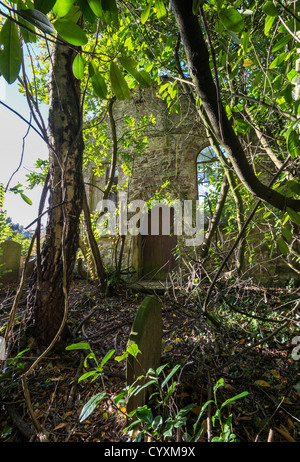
<point x="199" y="68"/>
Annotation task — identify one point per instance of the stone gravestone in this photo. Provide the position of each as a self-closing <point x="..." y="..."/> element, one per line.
<point x="10" y="257"/>
<point x="146" y="332"/>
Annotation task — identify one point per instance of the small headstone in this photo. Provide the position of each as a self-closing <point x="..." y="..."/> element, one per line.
<point x="10" y="257"/>
<point x="147" y="334"/>
<point x="29" y="268"/>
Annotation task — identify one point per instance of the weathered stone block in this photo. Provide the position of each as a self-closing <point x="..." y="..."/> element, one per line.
<point x="10" y="257"/>
<point x="147" y="334"/>
<point x="30" y="266"/>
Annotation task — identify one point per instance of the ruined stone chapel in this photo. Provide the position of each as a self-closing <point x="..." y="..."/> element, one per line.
<point x="172" y="163"/>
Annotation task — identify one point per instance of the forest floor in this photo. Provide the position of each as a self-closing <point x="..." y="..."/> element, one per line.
<point x="269" y="371"/>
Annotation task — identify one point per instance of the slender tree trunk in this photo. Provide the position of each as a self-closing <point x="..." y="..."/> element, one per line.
<point x="215" y="218"/>
<point x="96" y="256"/>
<point x="46" y="300"/>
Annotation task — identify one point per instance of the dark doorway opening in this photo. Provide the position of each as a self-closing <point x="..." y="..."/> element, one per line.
<point x="159" y="245"/>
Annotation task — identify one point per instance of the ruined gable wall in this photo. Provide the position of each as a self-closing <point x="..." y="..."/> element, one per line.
<point x="173" y="144"/>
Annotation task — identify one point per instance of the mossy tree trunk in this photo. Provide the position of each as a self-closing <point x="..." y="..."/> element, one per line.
<point x="46" y="300"/>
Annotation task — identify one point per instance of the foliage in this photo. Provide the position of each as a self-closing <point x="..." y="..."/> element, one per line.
<point x="226" y="434"/>
<point x="38" y="177"/>
<point x="89" y="407"/>
<point x="160" y="417"/>
<point x="5" y="228"/>
<point x="257" y="73"/>
<point x="15" y="365"/>
<point x="11" y="231"/>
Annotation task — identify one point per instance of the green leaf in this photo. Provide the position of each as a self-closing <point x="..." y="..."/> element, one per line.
<point x="144" y="414"/>
<point x="278" y="60"/>
<point x="26" y="199"/>
<point x="37" y="19"/>
<point x="89" y="407"/>
<point x="220" y="383"/>
<point x="93" y="374"/>
<point x="107" y="357"/>
<point x="141" y="387"/>
<point x="173" y="371"/>
<point x="11" y="54"/>
<point x="145" y="14"/>
<point x="122" y="357"/>
<point x="245" y="36"/>
<point x="281" y="43"/>
<point x="170" y="391"/>
<point x="234" y="398"/>
<point x="120" y="396"/>
<point x="294" y="186"/>
<point x="168" y="429"/>
<point x="200" y="413"/>
<point x="62" y="7"/>
<point x="234" y="37"/>
<point x="98" y="82"/>
<point x="99" y="85"/>
<point x="270" y="9"/>
<point x="161" y="11"/>
<point x="133" y="349"/>
<point x="28" y="37"/>
<point x="292" y="141"/>
<point x="70" y="32"/>
<point x="110" y="12"/>
<point x="268" y="24"/>
<point x="96" y="7"/>
<point x="157" y="422"/>
<point x="287" y="234"/>
<point x="91" y="355"/>
<point x="294" y="216"/>
<point x="118" y="83"/>
<point x="185" y="410"/>
<point x="231" y="19"/>
<point x="74" y="14"/>
<point x="110" y="5"/>
<point x="79" y="346"/>
<point x="86" y="11"/>
<point x="282" y="245"/>
<point x="44" y="5"/>
<point x="160" y="369"/>
<point x="78" y="67"/>
<point x="142" y="77"/>
<point x="292" y="75"/>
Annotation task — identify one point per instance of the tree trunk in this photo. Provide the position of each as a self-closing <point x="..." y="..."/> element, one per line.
<point x="96" y="256"/>
<point x="215" y="218"/>
<point x="199" y="69"/>
<point x="46" y="300"/>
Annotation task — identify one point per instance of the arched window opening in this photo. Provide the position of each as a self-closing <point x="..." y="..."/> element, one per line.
<point x="208" y="172"/>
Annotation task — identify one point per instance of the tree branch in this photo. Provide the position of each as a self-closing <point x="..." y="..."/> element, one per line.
<point x="199" y="68"/>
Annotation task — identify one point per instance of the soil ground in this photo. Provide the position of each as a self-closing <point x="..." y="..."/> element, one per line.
<point x="269" y="372"/>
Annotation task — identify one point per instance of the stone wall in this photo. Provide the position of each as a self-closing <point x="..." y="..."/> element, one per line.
<point x="168" y="163"/>
<point x="173" y="145"/>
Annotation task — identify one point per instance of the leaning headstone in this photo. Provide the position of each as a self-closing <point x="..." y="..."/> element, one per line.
<point x="10" y="257"/>
<point x="29" y="268"/>
<point x="146" y="332"/>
